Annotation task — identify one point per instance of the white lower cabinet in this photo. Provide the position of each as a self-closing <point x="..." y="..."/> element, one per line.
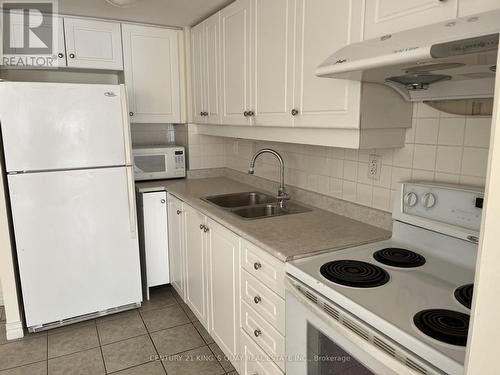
<point x="255" y="360"/>
<point x="156" y="238"/>
<point x="224" y="287"/>
<point x="234" y="288"/>
<point x="176" y="244"/>
<point x="196" y="263"/>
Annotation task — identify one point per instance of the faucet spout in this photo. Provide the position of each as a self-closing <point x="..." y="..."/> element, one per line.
<point x="282" y="195"/>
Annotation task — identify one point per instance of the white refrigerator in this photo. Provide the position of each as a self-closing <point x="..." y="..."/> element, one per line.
<point x="70" y="181"/>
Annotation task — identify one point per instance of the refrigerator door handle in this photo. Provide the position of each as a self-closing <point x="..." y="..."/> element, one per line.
<point x="131" y="202"/>
<point x="126" y="125"/>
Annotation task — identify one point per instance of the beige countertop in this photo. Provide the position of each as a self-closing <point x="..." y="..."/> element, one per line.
<point x="285" y="237"/>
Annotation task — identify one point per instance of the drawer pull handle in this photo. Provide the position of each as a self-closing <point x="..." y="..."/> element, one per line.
<point x="257" y="265"/>
<point x="179" y="212"/>
<point x="257" y="332"/>
<point x="257" y="299"/>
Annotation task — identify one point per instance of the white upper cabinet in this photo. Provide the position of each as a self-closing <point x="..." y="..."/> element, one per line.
<point x="235" y="59"/>
<point x="205" y="68"/>
<point x="389" y="16"/>
<point x="151" y="64"/>
<point x="471" y="7"/>
<point x="93" y="44"/>
<point x="272" y="61"/>
<point x="324" y="26"/>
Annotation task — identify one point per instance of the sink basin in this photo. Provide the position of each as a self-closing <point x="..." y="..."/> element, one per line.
<point x="253" y="212"/>
<point x="240" y="199"/>
<point x="254" y="205"/>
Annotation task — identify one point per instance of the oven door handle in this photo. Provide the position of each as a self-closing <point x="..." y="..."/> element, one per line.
<point x="366" y="346"/>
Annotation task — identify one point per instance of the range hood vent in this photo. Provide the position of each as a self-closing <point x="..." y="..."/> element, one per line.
<point x="446" y="61"/>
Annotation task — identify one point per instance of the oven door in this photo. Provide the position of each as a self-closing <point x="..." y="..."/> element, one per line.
<point x="318" y="341"/>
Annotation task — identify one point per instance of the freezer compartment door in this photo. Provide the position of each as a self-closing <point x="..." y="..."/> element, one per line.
<point x="51" y="126"/>
<point x="76" y="240"/>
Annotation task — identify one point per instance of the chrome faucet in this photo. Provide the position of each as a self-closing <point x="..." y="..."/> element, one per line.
<point x="282" y="195"/>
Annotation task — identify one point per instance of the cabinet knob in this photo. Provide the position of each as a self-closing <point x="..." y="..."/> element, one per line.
<point x="257" y="299"/>
<point x="202" y="226"/>
<point x="250" y="113"/>
<point x="245" y="113"/>
<point x="205" y="113"/>
<point x="206" y="229"/>
<point x="131" y="114"/>
<point x="71" y="55"/>
<point x="294" y="112"/>
<point x="257" y="332"/>
<point x="60" y="55"/>
<point x="179" y="212"/>
<point x="202" y="114"/>
<point x="162" y="201"/>
<point x="257" y="265"/>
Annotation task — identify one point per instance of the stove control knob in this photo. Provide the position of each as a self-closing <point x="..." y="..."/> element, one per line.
<point x="428" y="200"/>
<point x="411" y="199"/>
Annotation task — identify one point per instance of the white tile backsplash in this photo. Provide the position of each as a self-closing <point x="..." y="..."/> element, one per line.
<point x="439" y="147"/>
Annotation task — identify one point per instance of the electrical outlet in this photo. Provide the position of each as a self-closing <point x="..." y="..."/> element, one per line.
<point x="374" y="166"/>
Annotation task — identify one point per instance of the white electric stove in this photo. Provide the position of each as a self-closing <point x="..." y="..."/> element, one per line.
<point x="399" y="306"/>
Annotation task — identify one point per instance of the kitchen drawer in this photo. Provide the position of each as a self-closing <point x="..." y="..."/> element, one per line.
<point x="268" y="304"/>
<point x="264" y="334"/>
<point x="264" y="267"/>
<point x="255" y="360"/>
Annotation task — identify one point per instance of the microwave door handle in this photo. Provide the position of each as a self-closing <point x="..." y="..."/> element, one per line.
<point x="366" y="346"/>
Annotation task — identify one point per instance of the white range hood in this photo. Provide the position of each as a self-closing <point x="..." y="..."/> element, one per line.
<point x="445" y="61"/>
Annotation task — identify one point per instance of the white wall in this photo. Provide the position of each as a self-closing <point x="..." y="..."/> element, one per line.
<point x="439" y="147"/>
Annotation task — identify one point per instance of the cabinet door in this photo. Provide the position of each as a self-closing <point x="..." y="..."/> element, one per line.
<point x="212" y="79"/>
<point x="471" y="7"/>
<point x="176" y="244"/>
<point x="272" y="61"/>
<point x="93" y="44"/>
<point x="152" y="73"/>
<point x="196" y="263"/>
<point x="198" y="73"/>
<point x="156" y="238"/>
<point x="390" y="16"/>
<point x="235" y="45"/>
<point x="223" y="260"/>
<point x="324" y="26"/>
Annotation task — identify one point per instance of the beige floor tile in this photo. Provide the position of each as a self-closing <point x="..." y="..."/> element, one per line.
<point x="124" y="354"/>
<point x="221" y="357"/>
<point x="189" y="312"/>
<point x="75" y="340"/>
<point x="167" y="317"/>
<point x="71" y="327"/>
<point x="23" y="352"/>
<point x="194" y="362"/>
<point x="159" y="298"/>
<point x="152" y="368"/>
<point x="88" y="362"/>
<point x="176" y="340"/>
<point x="203" y="332"/>
<point x="120" y="329"/>
<point x="121" y="315"/>
<point x="3" y="334"/>
<point x="39" y="368"/>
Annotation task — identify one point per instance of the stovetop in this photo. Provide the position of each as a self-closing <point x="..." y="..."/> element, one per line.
<point x="409" y="304"/>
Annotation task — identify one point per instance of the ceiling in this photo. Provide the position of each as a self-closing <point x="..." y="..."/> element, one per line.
<point x="160" y="12"/>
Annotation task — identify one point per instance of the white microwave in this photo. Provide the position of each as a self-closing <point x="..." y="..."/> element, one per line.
<point x="159" y="162"/>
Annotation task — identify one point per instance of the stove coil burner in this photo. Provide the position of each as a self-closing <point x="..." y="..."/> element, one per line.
<point x="463" y="294"/>
<point x="354" y="273"/>
<point x="446" y="326"/>
<point x="396" y="257"/>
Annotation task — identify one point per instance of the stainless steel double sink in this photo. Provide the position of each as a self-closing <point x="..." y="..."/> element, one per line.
<point x="254" y="205"/>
